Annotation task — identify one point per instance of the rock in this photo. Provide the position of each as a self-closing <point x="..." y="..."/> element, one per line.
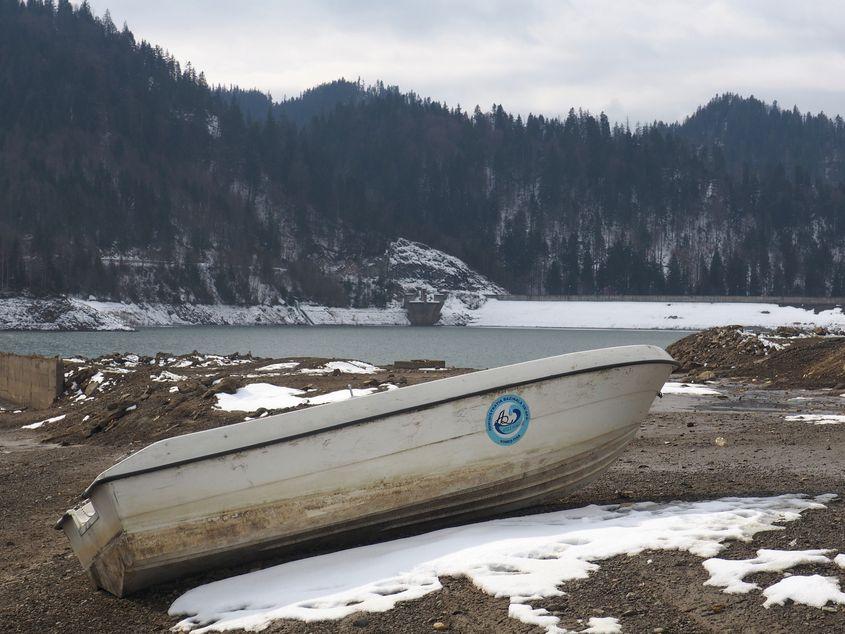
<point x="90" y="388"/>
<point x="787" y="331"/>
<point x="632" y="612"/>
<point x="720" y="441"/>
<point x="336" y="372"/>
<point x="120" y="404"/>
<point x="229" y="385"/>
<point x="707" y="375"/>
<point x="190" y="386"/>
<point x="361" y="621"/>
<point x="440" y="626"/>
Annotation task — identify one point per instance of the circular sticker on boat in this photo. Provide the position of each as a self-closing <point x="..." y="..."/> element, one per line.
<point x="507" y="419"/>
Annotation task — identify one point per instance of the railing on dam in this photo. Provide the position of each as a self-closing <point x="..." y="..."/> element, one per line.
<point x="767" y="299"/>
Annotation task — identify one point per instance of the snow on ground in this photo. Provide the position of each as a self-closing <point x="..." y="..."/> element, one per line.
<point x="768" y="344"/>
<point x="813" y="590"/>
<point x="275" y="367"/>
<point x="264" y="395"/>
<point x="164" y="376"/>
<point x="688" y="389"/>
<point x="542" y="618"/>
<point x="523" y="558"/>
<point x="344" y="367"/>
<point x="656" y="315"/>
<point x="839" y="560"/>
<point x="41" y="423"/>
<point x="818" y="419"/>
<point x="730" y="573"/>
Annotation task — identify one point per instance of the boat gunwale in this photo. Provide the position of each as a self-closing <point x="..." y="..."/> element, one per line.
<point x="360" y="421"/>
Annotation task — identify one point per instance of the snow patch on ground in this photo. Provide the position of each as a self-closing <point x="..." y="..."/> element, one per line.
<point x="344" y="367"/>
<point x="688" y="389"/>
<point x="41" y="423"/>
<point x="839" y="560"/>
<point x="649" y="315"/>
<point x="164" y="376"/>
<point x="523" y="558"/>
<point x="264" y="395"/>
<point x="813" y="590"/>
<point x="276" y="367"/>
<point x="543" y="618"/>
<point x="768" y="344"/>
<point x="817" y="419"/>
<point x="729" y="574"/>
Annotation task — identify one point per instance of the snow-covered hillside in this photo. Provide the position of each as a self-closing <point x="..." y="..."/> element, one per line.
<point x="415" y="267"/>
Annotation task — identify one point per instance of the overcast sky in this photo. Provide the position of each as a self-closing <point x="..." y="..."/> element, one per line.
<point x="640" y="59"/>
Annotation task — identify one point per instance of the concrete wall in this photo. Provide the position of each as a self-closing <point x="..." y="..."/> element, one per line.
<point x="30" y="381"/>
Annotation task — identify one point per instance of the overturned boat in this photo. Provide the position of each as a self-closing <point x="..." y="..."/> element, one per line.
<point x="452" y="449"/>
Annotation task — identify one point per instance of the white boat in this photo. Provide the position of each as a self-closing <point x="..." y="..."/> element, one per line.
<point x="447" y="450"/>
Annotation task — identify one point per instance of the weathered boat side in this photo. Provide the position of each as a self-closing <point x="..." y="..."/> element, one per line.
<point x="419" y="463"/>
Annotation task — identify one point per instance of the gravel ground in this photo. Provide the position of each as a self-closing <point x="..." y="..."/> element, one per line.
<point x="42" y="588"/>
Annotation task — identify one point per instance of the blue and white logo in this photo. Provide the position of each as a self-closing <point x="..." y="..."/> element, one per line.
<point x="507" y="419"/>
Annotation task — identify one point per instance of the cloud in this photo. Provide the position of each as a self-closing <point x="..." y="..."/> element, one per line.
<point x="635" y="59"/>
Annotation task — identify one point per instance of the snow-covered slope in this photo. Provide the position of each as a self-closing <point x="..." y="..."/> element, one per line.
<point x="414" y="267"/>
<point x="59" y="313"/>
<point x="68" y="313"/>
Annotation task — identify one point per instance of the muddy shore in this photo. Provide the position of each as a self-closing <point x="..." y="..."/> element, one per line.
<point x="116" y="404"/>
<point x="676" y="456"/>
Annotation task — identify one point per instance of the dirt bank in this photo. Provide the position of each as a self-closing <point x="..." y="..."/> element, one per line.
<point x="129" y="401"/>
<point x="42" y="588"/>
<point x="783" y="358"/>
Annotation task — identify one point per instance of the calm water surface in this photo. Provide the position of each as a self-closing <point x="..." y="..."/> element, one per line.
<point x="461" y="347"/>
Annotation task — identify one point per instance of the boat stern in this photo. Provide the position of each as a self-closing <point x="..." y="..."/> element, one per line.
<point x="96" y="539"/>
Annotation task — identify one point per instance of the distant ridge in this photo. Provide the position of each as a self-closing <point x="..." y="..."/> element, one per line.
<point x="125" y="176"/>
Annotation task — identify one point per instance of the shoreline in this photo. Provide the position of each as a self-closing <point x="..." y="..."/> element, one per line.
<point x="676" y="456"/>
<point x="730" y="434"/>
<point x="68" y="314"/>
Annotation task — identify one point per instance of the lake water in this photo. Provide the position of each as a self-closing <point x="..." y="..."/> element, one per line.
<point x="458" y="346"/>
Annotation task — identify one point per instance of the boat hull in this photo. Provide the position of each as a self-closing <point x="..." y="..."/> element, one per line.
<point x="432" y="464"/>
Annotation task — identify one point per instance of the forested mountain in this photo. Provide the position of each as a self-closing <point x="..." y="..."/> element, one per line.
<point x="125" y="176"/>
<point x="322" y="99"/>
<point x="753" y="134"/>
